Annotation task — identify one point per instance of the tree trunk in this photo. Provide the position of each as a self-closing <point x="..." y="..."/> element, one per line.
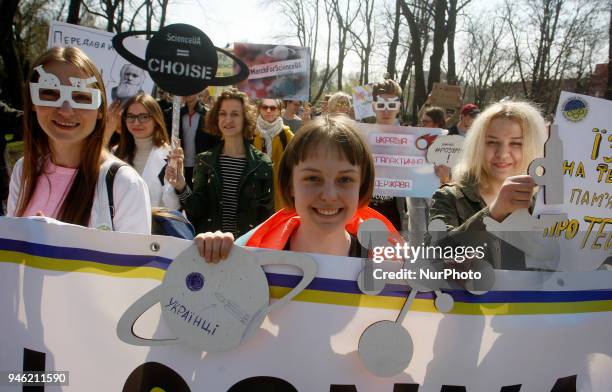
<point x="74" y="12"/>
<point x="392" y="59"/>
<point x="8" y="9"/>
<point x="420" y="94"/>
<point x="451" y="77"/>
<point x="439" y="38"/>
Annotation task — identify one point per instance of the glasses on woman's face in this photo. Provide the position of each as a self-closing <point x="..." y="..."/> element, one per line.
<point x="142" y="118"/>
<point x="343" y="104"/>
<point x="265" y="108"/>
<point x="427" y="121"/>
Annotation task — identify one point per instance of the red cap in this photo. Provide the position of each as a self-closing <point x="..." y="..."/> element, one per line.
<point x="470" y="109"/>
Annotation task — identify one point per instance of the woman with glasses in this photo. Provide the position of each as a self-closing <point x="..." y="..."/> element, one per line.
<point x="144" y="145"/>
<point x="272" y="137"/>
<point x="63" y="172"/>
<point x="433" y="117"/>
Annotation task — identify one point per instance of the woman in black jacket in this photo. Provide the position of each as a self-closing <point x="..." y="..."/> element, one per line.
<point x="233" y="182"/>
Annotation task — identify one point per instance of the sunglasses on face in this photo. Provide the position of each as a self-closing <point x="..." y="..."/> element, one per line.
<point x="386" y="105"/>
<point x="343" y="104"/>
<point x="265" y="108"/>
<point x="142" y="118"/>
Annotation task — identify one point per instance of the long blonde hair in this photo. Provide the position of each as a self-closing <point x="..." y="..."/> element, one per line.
<point x="76" y="207"/>
<point x="471" y="164"/>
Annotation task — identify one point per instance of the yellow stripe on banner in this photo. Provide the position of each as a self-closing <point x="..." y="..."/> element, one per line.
<point x="89" y="267"/>
<point x="427" y="305"/>
<point x="319" y="296"/>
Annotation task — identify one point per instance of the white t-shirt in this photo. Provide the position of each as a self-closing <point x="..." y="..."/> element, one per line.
<point x="130" y="198"/>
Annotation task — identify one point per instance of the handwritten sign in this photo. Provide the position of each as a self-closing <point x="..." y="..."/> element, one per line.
<point x="585" y="236"/>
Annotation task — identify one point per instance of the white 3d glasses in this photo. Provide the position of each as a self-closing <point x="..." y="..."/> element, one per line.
<point x="48" y="91"/>
<point x="389" y="104"/>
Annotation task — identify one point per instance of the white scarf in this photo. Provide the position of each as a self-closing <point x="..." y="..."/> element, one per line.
<point x="269" y="130"/>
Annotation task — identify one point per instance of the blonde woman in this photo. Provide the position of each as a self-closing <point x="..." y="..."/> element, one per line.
<point x="340" y="103"/>
<point x="490" y="178"/>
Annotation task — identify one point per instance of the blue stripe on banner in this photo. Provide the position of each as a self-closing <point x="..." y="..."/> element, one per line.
<point x="59" y="252"/>
<point x="391" y="290"/>
<point x="321" y="284"/>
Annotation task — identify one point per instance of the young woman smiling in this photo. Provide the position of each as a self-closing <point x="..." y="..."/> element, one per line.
<point x="144" y="145"/>
<point x="326" y="180"/>
<point x="63" y="171"/>
<point x="232" y="183"/>
<point x="490" y="178"/>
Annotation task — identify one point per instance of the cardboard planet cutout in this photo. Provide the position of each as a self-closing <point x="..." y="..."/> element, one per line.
<point x="181" y="59"/>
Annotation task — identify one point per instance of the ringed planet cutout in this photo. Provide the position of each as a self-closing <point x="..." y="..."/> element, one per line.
<point x="181" y="59"/>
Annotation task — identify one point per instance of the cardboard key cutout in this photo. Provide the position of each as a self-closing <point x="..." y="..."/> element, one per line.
<point x="214" y="307"/>
<point x="182" y="60"/>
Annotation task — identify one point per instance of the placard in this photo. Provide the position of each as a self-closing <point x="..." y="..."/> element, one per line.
<point x="275" y="71"/>
<point x="121" y="79"/>
<point x="63" y="289"/>
<point x="181" y="59"/>
<point x="585" y="237"/>
<point x="362" y="102"/>
<point x="400" y="159"/>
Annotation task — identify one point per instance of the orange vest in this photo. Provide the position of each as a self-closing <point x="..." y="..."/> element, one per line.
<point x="277" y="229"/>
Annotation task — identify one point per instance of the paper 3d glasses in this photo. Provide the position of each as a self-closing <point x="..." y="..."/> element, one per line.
<point x="48" y="91"/>
<point x="388" y="104"/>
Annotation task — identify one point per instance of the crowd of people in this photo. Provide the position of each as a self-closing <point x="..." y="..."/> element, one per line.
<point x="274" y="174"/>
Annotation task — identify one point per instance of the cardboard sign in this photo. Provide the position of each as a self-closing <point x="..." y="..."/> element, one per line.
<point x="362" y="102"/>
<point x="63" y="289"/>
<point x="448" y="97"/>
<point x="181" y="59"/>
<point x="121" y="79"/>
<point x="400" y="159"/>
<point x="276" y="71"/>
<point x="214" y="307"/>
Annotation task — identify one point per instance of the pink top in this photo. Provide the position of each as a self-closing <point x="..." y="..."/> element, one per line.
<point x="51" y="189"/>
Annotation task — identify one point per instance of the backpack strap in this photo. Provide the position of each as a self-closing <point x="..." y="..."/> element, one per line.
<point x="110" y="179"/>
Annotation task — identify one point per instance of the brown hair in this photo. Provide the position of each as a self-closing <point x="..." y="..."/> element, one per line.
<point x="212" y="117"/>
<point x="127" y="145"/>
<point x="387" y="86"/>
<point x="437" y="115"/>
<point x="76" y="207"/>
<point x="334" y="132"/>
